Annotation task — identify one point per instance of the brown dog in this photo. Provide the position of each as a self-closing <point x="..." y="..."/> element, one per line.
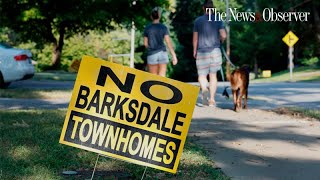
<point x="239" y="80"/>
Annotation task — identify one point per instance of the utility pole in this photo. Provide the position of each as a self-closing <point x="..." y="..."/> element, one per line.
<point x="132" y="40"/>
<point x="228" y="28"/>
<point x="132" y="46"/>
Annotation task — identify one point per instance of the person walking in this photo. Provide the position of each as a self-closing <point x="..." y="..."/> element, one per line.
<point x="154" y="35"/>
<point x="206" y="50"/>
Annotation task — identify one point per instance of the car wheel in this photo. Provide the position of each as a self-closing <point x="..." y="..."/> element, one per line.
<point x="3" y="85"/>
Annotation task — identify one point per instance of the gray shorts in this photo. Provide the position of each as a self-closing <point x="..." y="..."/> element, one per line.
<point x="209" y="62"/>
<point x="158" y="58"/>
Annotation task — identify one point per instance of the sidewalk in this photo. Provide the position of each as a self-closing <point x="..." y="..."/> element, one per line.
<point x="258" y="144"/>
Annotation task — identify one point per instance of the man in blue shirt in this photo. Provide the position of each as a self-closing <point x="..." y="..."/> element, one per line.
<point x="206" y="50"/>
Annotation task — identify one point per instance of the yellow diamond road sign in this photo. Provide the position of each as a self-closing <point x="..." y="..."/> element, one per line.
<point x="290" y="39"/>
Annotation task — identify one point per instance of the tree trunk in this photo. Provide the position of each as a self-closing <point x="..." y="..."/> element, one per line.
<point x="255" y="68"/>
<point x="56" y="56"/>
<point x="57" y="50"/>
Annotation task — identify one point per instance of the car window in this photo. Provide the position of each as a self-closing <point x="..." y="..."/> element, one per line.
<point x="5" y="46"/>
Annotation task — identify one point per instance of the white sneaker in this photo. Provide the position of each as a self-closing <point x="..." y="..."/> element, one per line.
<point x="199" y="104"/>
<point x="205" y="97"/>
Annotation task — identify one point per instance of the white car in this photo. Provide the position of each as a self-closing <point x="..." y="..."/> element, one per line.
<point x="15" y="64"/>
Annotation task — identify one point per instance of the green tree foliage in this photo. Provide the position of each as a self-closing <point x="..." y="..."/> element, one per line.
<point x="308" y="32"/>
<point x="182" y="22"/>
<point x="43" y="25"/>
<point x="53" y="21"/>
<point x="95" y="43"/>
<point x="258" y="44"/>
<point x="263" y="40"/>
<point x="99" y="44"/>
<point x="7" y="35"/>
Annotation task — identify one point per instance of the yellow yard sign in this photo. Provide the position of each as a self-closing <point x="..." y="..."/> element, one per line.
<point x="129" y="114"/>
<point x="290" y="39"/>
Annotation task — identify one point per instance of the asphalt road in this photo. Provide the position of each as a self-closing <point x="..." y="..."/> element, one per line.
<point x="43" y="84"/>
<point x="262" y="95"/>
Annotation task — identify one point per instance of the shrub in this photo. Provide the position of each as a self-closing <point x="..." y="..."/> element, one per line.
<point x="313" y="62"/>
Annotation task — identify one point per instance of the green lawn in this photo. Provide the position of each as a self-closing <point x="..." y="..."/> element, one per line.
<point x="299" y="74"/>
<point x="30" y="149"/>
<point x="58" y="76"/>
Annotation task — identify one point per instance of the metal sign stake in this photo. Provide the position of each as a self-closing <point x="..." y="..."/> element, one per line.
<point x="95" y="165"/>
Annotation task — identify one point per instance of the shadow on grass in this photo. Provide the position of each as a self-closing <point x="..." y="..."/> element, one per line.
<point x="30" y="147"/>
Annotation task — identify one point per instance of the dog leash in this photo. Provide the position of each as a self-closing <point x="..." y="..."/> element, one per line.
<point x="226" y="56"/>
<point x="225" y="92"/>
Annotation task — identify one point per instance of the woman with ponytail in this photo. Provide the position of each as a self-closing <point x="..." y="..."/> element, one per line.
<point x="154" y="36"/>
